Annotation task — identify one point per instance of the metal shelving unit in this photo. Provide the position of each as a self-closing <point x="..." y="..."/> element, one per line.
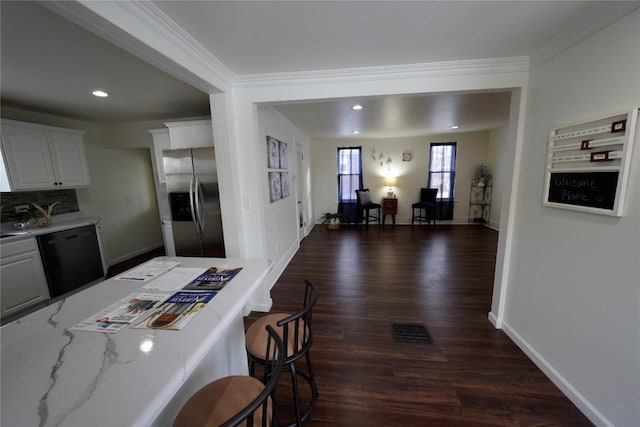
<point x="480" y="204"/>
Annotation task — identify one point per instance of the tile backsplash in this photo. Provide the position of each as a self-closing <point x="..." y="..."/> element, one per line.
<point x="67" y="198"/>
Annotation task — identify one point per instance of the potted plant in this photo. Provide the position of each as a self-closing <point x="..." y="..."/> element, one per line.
<point x="332" y="220"/>
<point x="481" y="176"/>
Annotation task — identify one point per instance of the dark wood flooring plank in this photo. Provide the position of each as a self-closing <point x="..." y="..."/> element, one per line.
<point x="441" y="277"/>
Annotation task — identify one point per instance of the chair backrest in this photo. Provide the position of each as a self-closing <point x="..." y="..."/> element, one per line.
<point x="363" y="196"/>
<point x="265" y="401"/>
<point x="297" y="327"/>
<point x="428" y="195"/>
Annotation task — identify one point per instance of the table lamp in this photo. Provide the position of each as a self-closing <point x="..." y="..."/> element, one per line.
<point x="390" y="181"/>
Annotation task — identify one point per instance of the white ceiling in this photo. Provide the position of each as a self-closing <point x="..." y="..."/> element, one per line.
<point x="255" y="37"/>
<point x="49" y="64"/>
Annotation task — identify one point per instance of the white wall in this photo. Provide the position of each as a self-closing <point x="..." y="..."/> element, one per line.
<point x="280" y="217"/>
<point x="497" y="160"/>
<point x="472" y="148"/>
<point x="129" y="134"/>
<point x="121" y="191"/>
<point x="123" y="195"/>
<point x="573" y="296"/>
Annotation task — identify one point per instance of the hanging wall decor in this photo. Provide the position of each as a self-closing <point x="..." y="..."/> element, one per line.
<point x="273" y="153"/>
<point x="284" y="156"/>
<point x="275" y="187"/>
<point x="277" y="163"/>
<point x="284" y="184"/>
<point x="588" y="164"/>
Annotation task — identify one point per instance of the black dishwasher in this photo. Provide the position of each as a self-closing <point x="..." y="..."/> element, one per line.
<point x="71" y="258"/>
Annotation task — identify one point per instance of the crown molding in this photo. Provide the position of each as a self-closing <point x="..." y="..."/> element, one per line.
<point x="143" y="29"/>
<point x="607" y="14"/>
<point x="165" y="27"/>
<point x="408" y="71"/>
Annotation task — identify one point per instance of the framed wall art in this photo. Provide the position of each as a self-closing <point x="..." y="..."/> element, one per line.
<point x="275" y="187"/>
<point x="284" y="184"/>
<point x="284" y="156"/>
<point x="273" y="153"/>
<point x="277" y="163"/>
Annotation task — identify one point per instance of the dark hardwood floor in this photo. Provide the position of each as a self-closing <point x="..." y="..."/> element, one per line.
<point x="133" y="262"/>
<point x="441" y="277"/>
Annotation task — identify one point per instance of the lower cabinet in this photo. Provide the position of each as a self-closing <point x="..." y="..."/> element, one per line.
<point x="23" y="280"/>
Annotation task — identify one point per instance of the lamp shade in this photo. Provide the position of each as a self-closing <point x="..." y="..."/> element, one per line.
<point x="390" y="181"/>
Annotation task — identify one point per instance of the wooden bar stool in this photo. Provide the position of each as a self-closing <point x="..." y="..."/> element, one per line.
<point x="297" y="336"/>
<point x="238" y="399"/>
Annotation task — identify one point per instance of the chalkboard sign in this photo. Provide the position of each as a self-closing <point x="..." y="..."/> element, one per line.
<point x="589" y="189"/>
<point x="588" y="164"/>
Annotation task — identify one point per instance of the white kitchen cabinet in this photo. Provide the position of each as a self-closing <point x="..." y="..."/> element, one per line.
<point x="23" y="280"/>
<point x="39" y="157"/>
<point x="190" y="134"/>
<point x="160" y="143"/>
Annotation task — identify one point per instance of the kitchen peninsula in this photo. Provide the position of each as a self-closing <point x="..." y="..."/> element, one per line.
<point x="53" y="375"/>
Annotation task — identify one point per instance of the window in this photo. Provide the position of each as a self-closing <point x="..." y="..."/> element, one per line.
<point x="349" y="173"/>
<point x="442" y="174"/>
<point x="349" y="180"/>
<point x="442" y="168"/>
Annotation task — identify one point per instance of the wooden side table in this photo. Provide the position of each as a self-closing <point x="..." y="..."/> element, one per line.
<point x="389" y="207"/>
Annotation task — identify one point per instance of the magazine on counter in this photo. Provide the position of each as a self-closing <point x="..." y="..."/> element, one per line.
<point x="214" y="279"/>
<point x="118" y="315"/>
<point x="176" y="311"/>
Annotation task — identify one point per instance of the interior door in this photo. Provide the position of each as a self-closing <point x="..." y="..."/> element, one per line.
<point x="300" y="186"/>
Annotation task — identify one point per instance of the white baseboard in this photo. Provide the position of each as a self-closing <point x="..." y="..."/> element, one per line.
<point x="130" y="255"/>
<point x="493" y="320"/>
<point x="261" y="300"/>
<point x="561" y="382"/>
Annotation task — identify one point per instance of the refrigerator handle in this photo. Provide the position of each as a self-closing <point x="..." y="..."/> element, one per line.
<point x="191" y="202"/>
<point x="199" y="202"/>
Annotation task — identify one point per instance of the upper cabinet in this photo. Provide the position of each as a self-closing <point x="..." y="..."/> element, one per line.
<point x="190" y="134"/>
<point x="38" y="157"/>
<point x="179" y="135"/>
<point x="160" y="143"/>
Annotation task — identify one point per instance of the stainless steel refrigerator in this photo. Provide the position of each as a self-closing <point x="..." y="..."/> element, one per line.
<point x="192" y="185"/>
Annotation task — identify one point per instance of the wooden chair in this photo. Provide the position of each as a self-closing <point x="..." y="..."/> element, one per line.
<point x="297" y="335"/>
<point x="428" y="204"/>
<point x="239" y="399"/>
<point x="365" y="206"/>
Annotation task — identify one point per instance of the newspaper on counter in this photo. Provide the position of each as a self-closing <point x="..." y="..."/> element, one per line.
<point x="118" y="315"/>
<point x="147" y="271"/>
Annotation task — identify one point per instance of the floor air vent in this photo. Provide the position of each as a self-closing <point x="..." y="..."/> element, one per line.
<point x="410" y="333"/>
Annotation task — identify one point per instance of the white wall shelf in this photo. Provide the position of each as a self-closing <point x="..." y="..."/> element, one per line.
<point x="588" y="164"/>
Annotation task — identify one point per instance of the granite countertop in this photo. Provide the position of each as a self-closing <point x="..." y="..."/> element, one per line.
<point x="55" y="376"/>
<point x="58" y="223"/>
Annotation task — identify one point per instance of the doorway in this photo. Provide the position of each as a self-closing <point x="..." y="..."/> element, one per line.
<point x="299" y="181"/>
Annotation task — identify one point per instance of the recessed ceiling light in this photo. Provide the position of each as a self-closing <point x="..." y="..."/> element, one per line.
<point x="357" y="107"/>
<point x="100" y="93"/>
<point x="454" y="127"/>
<point x="355" y="132"/>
